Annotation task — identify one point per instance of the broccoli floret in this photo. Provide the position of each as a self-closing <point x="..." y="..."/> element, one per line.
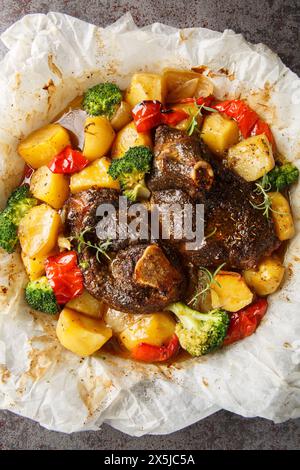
<point x="102" y="99"/>
<point x="18" y="204"/>
<point x="40" y="296"/>
<point x="130" y="170"/>
<point x="282" y="176"/>
<point x="8" y="234"/>
<point x="199" y="333"/>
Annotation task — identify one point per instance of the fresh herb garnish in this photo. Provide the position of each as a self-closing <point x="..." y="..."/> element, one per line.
<point x="101" y="248"/>
<point x="206" y="279"/>
<point x="262" y="189"/>
<point x="193" y="125"/>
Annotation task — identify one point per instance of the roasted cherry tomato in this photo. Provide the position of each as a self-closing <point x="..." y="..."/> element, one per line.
<point x="207" y="101"/>
<point x="173" y="116"/>
<point x="261" y="127"/>
<point x="244" y="322"/>
<point x="64" y="276"/>
<point x="150" y="114"/>
<point x="147" y="115"/>
<point x="68" y="161"/>
<point x="27" y="174"/>
<point x="240" y="112"/>
<point x="148" y="353"/>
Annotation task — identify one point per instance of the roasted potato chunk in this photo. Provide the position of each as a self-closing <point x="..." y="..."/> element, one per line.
<point x="129" y="137"/>
<point x="50" y="187"/>
<point x="81" y="334"/>
<point x="96" y="174"/>
<point x="122" y="116"/>
<point x="98" y="137"/>
<point x="267" y="278"/>
<point x="38" y="231"/>
<point x="251" y="158"/>
<point x="219" y="133"/>
<point x="42" y="145"/>
<point x="154" y="328"/>
<point x="230" y="291"/>
<point x="282" y="216"/>
<point x="87" y="304"/>
<point x="145" y="86"/>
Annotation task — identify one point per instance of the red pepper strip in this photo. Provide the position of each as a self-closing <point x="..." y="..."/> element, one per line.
<point x="150" y="114"/>
<point x="147" y="115"/>
<point x="261" y="127"/>
<point x="64" y="276"/>
<point x="241" y="112"/>
<point x="68" y="161"/>
<point x="173" y="116"/>
<point x="148" y="353"/>
<point x="244" y="322"/>
<point x="205" y="101"/>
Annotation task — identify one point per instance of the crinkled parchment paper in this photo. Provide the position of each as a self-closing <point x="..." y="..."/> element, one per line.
<point x="53" y="58"/>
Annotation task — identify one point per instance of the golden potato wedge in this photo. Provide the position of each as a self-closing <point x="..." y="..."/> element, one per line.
<point x="219" y="133"/>
<point x="49" y="187"/>
<point x="267" y="278"/>
<point x="154" y="328"/>
<point x="38" y="231"/>
<point x="230" y="291"/>
<point x="94" y="175"/>
<point x="251" y="158"/>
<point x="129" y="137"/>
<point x="282" y="216"/>
<point x="98" y="137"/>
<point x="122" y="116"/>
<point x="34" y="267"/>
<point x="145" y="86"/>
<point x="42" y="145"/>
<point x="81" y="334"/>
<point x="87" y="304"/>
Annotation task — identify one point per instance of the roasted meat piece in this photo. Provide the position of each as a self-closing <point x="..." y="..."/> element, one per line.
<point x="179" y="164"/>
<point x="237" y="233"/>
<point x="132" y="277"/>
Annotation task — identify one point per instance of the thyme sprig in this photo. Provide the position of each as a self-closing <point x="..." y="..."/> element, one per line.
<point x="206" y="279"/>
<point x="101" y="248"/>
<point x="262" y="189"/>
<point x="193" y="125"/>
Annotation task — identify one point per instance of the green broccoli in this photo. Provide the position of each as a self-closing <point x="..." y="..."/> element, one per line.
<point x="281" y="176"/>
<point x="40" y="296"/>
<point x="102" y="99"/>
<point x="130" y="170"/>
<point x="199" y="333"/>
<point x="18" y="204"/>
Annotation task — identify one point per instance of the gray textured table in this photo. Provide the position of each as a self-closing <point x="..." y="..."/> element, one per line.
<point x="277" y="24"/>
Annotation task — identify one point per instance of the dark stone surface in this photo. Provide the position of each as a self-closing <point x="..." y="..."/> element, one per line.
<point x="277" y="24"/>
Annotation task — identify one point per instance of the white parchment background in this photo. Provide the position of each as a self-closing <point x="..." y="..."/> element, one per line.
<point x="53" y="58"/>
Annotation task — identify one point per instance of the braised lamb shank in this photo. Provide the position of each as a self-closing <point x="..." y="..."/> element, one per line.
<point x="146" y="276"/>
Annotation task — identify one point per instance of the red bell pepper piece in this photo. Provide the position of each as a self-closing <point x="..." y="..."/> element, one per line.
<point x="27" y="174"/>
<point x="68" y="161"/>
<point x="173" y="116"/>
<point x="147" y="115"/>
<point x="207" y="101"/>
<point x="240" y="112"/>
<point x="244" y="322"/>
<point x="261" y="127"/>
<point x="148" y="353"/>
<point x="64" y="276"/>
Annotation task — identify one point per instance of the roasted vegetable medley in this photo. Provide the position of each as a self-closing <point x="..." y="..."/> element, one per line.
<point x="164" y="140"/>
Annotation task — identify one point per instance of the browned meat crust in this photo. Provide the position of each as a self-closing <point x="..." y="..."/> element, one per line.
<point x="179" y="164"/>
<point x="237" y="233"/>
<point x="118" y="282"/>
